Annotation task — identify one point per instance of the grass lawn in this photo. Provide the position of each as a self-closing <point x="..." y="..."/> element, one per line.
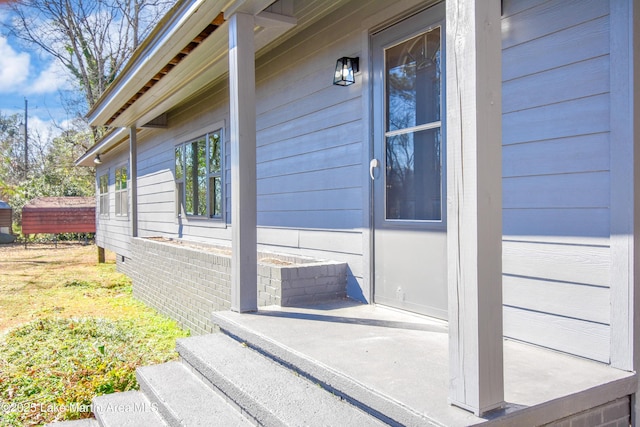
<point x="70" y="330"/>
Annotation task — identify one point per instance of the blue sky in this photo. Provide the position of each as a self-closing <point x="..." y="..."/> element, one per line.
<point x="25" y="72"/>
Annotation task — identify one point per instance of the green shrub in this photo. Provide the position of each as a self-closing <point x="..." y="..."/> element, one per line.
<point x="50" y="369"/>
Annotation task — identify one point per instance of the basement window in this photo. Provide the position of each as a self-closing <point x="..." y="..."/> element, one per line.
<point x="198" y="174"/>
<point x="103" y="190"/>
<point x="122" y="193"/>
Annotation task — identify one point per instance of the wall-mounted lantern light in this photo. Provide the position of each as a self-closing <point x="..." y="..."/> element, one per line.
<point x="97" y="160"/>
<point x="345" y="71"/>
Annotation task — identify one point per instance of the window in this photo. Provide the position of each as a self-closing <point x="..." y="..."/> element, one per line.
<point x="122" y="194"/>
<point x="413" y="136"/>
<point x="103" y="187"/>
<point x="199" y="176"/>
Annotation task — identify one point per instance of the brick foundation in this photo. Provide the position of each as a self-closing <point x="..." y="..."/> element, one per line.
<point x="187" y="282"/>
<point x="612" y="414"/>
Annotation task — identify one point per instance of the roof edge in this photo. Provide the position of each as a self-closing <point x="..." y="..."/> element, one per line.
<point x="106" y="143"/>
<point x="145" y="53"/>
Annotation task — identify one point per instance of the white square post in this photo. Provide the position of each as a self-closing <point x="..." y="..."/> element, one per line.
<point x="624" y="66"/>
<point x="242" y="83"/>
<point x="133" y="179"/>
<point x="474" y="233"/>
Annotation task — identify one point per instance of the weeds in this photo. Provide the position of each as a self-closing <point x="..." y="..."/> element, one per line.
<point x="78" y="284"/>
<point x="85" y="337"/>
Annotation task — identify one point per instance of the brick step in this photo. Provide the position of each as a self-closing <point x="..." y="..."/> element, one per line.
<point x="372" y="402"/>
<point x="265" y="391"/>
<point x="184" y="400"/>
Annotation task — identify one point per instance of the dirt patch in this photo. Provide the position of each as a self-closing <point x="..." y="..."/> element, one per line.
<point x="194" y="245"/>
<point x="219" y="250"/>
<point x="275" y="261"/>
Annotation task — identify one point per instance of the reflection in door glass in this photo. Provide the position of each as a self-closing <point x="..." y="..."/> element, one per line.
<point x="413" y="164"/>
<point x="413" y="176"/>
<point x="413" y="81"/>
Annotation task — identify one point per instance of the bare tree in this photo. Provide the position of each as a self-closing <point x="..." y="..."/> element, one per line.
<point x="92" y="39"/>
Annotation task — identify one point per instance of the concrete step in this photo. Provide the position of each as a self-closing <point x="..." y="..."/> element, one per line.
<point x="184" y="400"/>
<point x="126" y="409"/>
<point x="269" y="393"/>
<point x="378" y="405"/>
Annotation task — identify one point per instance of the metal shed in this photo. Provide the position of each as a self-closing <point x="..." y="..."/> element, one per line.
<point x="59" y="215"/>
<point x="5" y="217"/>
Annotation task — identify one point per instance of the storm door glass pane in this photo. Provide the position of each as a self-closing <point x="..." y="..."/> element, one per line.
<point x="413" y="176"/>
<point x="413" y="71"/>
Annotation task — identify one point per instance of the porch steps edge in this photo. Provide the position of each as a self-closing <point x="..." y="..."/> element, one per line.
<point x="266" y="391"/>
<point x="183" y="399"/>
<point x="372" y="402"/>
<point x="126" y="409"/>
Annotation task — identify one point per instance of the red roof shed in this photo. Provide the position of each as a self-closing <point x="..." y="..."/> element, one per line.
<point x="5" y="217"/>
<point x="59" y="215"/>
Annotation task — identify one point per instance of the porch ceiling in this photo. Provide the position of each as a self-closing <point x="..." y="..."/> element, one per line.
<point x="188" y="50"/>
<point x="190" y="47"/>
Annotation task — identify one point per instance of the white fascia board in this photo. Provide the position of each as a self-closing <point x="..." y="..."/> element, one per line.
<point x="251" y="7"/>
<point x="205" y="64"/>
<point x="111" y="140"/>
<point x="187" y="23"/>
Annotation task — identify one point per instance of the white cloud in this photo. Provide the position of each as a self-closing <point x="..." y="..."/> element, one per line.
<point x="50" y="80"/>
<point x="45" y="129"/>
<point x="38" y="126"/>
<point x="14" y="67"/>
<point x="17" y="73"/>
<point x="68" y="124"/>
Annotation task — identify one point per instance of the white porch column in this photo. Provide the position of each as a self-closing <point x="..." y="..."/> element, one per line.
<point x="474" y="233"/>
<point x="624" y="21"/>
<point x="242" y="82"/>
<point x="133" y="179"/>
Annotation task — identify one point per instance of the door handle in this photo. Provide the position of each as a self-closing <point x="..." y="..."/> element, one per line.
<point x="372" y="165"/>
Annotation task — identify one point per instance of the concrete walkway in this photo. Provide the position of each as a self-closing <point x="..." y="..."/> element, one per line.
<point x="404" y="359"/>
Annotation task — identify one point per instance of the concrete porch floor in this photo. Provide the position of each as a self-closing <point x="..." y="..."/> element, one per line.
<point x="404" y="358"/>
